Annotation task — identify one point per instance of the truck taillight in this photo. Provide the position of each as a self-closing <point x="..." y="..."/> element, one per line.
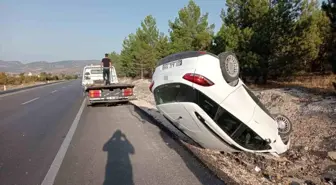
<point x="95" y="93"/>
<point x="128" y="92"/>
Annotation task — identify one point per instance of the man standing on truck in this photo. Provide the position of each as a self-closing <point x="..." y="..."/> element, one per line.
<point x="106" y="63"/>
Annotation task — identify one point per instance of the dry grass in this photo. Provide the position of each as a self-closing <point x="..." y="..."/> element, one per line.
<point x="313" y="83"/>
<point x="316" y="81"/>
<point x="18" y="86"/>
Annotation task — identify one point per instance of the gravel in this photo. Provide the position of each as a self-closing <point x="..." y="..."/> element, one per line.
<point x="314" y="137"/>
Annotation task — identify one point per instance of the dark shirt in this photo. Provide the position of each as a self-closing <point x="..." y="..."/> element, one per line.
<point x="106" y="62"/>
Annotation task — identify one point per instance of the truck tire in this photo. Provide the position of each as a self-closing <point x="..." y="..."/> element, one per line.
<point x="84" y="94"/>
<point x="230" y="67"/>
<point x="88" y="103"/>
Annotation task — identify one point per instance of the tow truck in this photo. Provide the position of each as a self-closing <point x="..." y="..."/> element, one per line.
<point x="96" y="91"/>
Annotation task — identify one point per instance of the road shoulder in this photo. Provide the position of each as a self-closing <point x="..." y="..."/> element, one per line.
<point x="119" y="144"/>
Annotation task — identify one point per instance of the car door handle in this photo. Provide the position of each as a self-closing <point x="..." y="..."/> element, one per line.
<point x="177" y="120"/>
<point x="199" y="117"/>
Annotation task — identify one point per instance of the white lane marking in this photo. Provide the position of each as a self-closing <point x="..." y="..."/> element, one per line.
<point x="30" y="101"/>
<point x="56" y="164"/>
<point x="63" y="87"/>
<point x="52" y="92"/>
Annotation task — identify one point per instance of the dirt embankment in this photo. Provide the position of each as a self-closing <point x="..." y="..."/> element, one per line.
<point x="313" y="140"/>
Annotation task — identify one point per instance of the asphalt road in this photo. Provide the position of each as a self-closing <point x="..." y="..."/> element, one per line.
<point x="33" y="125"/>
<point x="110" y="145"/>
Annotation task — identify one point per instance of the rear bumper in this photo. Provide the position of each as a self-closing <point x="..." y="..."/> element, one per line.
<point x="111" y="86"/>
<point x="111" y="99"/>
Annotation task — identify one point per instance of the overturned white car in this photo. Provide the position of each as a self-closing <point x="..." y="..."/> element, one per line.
<point x="201" y="94"/>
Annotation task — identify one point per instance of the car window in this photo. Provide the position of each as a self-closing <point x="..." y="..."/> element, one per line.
<point x="177" y="92"/>
<point x="251" y="140"/>
<point x="207" y="104"/>
<point x="96" y="71"/>
<point x="174" y="92"/>
<point x="226" y="121"/>
<point x="258" y="102"/>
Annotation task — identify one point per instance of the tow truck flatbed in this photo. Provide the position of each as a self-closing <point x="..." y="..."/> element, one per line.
<point x="96" y="91"/>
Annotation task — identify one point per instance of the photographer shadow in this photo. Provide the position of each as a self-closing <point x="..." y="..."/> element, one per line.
<point x="118" y="166"/>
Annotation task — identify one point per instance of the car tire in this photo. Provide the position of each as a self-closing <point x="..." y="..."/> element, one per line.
<point x="229" y="65"/>
<point x="287" y="128"/>
<point x="285" y="138"/>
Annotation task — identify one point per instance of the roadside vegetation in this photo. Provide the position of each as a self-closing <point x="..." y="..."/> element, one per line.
<point x="277" y="42"/>
<point x="20" y="79"/>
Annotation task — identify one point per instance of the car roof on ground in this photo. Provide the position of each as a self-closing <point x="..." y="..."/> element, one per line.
<point x="183" y="55"/>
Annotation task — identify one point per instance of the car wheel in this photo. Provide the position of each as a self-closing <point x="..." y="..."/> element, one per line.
<point x="230" y="67"/>
<point x="285" y="126"/>
<point x="285" y="138"/>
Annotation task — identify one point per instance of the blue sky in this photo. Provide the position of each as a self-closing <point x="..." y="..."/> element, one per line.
<point x="37" y="30"/>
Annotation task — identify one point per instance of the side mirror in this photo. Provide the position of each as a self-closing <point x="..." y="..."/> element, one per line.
<point x="87" y="73"/>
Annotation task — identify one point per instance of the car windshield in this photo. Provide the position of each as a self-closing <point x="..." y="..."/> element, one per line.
<point x="247" y="138"/>
<point x="258" y="102"/>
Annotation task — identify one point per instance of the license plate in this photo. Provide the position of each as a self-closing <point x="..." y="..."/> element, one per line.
<point x="172" y="64"/>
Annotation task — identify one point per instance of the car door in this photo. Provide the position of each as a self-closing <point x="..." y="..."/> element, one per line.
<point x="172" y="100"/>
<point x="181" y="117"/>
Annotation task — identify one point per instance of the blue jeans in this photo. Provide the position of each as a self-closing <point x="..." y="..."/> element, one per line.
<point x="106" y="75"/>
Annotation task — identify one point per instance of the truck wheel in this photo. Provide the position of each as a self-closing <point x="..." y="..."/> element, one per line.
<point x="285" y="126"/>
<point x="88" y="103"/>
<point x="230" y="67"/>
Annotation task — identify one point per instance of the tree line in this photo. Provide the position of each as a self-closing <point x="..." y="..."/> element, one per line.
<point x="271" y="38"/>
<point x="6" y="79"/>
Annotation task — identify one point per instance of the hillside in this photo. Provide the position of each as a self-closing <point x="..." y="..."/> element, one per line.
<point x="66" y="66"/>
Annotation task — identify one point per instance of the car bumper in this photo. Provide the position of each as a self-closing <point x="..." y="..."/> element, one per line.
<point x="279" y="147"/>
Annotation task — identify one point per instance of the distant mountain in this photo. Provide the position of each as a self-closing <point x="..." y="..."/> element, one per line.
<point x="66" y="66"/>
